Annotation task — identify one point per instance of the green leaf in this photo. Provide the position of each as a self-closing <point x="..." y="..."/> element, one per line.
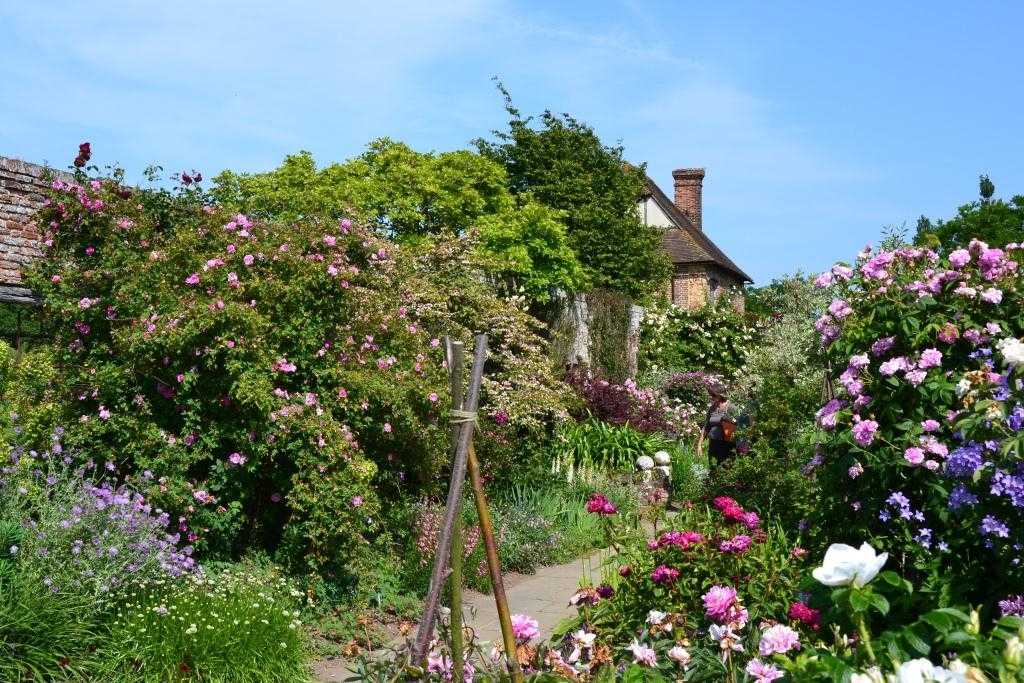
<point x="879" y="603"/>
<point x="915" y="641"/>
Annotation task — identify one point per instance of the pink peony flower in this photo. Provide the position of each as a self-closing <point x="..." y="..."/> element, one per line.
<point x="798" y="611"/>
<point x="524" y="628"/>
<point x="778" y="639"/>
<point x="737" y="544"/>
<point x="664" y="574"/>
<point x="600" y="505"/>
<point x="718" y="602"/>
<point x="763" y="673"/>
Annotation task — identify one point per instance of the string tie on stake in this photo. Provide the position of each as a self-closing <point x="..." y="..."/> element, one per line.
<point x="459" y="417"/>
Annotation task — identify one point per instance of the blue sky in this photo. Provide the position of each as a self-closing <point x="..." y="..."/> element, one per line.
<point x="819" y="123"/>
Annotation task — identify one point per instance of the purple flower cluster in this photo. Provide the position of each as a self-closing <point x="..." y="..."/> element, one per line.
<point x="1010" y="486"/>
<point x="964" y="461"/>
<point x="1012" y="606"/>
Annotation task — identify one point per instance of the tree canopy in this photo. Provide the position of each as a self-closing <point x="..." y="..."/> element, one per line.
<point x="411" y="196"/>
<point x="996" y="222"/>
<point x="564" y="164"/>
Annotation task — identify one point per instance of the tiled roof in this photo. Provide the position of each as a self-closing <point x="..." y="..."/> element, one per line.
<point x="688" y="244"/>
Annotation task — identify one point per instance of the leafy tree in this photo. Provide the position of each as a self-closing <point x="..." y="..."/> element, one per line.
<point x="413" y="196"/>
<point x="564" y="164"/>
<point x="994" y="222"/>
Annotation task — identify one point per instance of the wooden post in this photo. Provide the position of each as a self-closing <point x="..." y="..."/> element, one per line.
<point x="494" y="566"/>
<point x="437" y="574"/>
<point x="456" y="355"/>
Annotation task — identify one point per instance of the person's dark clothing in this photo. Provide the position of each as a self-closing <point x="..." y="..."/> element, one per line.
<point x="718" y="448"/>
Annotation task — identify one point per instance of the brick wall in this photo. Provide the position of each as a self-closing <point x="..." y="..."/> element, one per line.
<point x="689" y="190"/>
<point x="691" y="286"/>
<point x="21" y="195"/>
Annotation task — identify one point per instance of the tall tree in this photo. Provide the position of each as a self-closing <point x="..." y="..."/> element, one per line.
<point x="996" y="222"/>
<point x="563" y="163"/>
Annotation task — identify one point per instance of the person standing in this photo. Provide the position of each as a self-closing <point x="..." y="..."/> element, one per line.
<point x="719" y="428"/>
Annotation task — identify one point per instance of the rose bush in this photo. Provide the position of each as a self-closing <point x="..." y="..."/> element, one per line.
<point x="712" y="339"/>
<point x="922" y="448"/>
<point x="277" y="379"/>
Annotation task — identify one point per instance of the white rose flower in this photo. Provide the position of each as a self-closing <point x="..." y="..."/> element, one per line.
<point x="662" y="458"/>
<point x="923" y="671"/>
<point x="680" y="655"/>
<point x="872" y="675"/>
<point x="645" y="462"/>
<point x="845" y="565"/>
<point x="1012" y="350"/>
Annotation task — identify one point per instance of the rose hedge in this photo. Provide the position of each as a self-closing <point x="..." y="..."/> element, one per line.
<point x="922" y="454"/>
<point x="275" y="379"/>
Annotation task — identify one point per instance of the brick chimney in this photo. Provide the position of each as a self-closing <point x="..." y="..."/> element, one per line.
<point x="688" y="184"/>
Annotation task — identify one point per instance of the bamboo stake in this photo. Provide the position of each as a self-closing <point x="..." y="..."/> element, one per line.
<point x="456" y="356"/>
<point x="491" y="549"/>
<point x="437" y="574"/>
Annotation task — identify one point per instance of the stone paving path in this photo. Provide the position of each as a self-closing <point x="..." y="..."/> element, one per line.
<point x="544" y="596"/>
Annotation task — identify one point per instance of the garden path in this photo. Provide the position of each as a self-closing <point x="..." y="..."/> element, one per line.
<point x="544" y="596"/>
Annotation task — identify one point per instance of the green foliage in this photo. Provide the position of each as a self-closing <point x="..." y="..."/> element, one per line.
<point x="409" y="196"/>
<point x="770" y="482"/>
<point x="713" y="339"/>
<point x="232" y="625"/>
<point x="564" y="164"/>
<point x="43" y="636"/>
<point x="278" y="379"/>
<point x="994" y="222"/>
<point x="593" y="444"/>
<point x="609" y="329"/>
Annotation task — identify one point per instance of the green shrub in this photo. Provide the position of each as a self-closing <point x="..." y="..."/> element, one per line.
<point x="714" y="339"/>
<point x="278" y="379"/>
<point x="691" y="477"/>
<point x="772" y="483"/>
<point x="232" y="625"/>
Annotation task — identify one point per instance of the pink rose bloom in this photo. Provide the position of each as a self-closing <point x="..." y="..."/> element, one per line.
<point x="892" y="366"/>
<point x="233" y="280"/>
<point x="839" y="309"/>
<point x="959" y="258"/>
<point x="356" y="501"/>
<point x="914" y="455"/>
<point x="864" y="432"/>
<point x="330" y="240"/>
<point x="237" y="459"/>
<point x="192" y="279"/>
<point x="104" y="413"/>
<point x="778" y="639"/>
<point x="387" y="428"/>
<point x="916" y="377"/>
<point x="930" y="358"/>
<point x="432" y="397"/>
<point x="524" y="628"/>
<point x="718" y="601"/>
<point x="248" y="259"/>
<point x="823" y="280"/>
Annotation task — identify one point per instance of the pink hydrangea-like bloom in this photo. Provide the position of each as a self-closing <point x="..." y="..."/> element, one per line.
<point x="525" y="628"/>
<point x="718" y="602"/>
<point x="751" y="520"/>
<point x="930" y="358"/>
<point x="664" y="574"/>
<point x="192" y="279"/>
<point x="248" y="259"/>
<point x="859" y="361"/>
<point x="949" y="334"/>
<point x="778" y="639"/>
<point x="283" y="365"/>
<point x="864" y="432"/>
<point x="842" y="272"/>
<point x="855" y="470"/>
<point x="959" y="258"/>
<point x="930" y="425"/>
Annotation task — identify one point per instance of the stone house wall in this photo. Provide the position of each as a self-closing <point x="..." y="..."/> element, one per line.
<point x="22" y="192"/>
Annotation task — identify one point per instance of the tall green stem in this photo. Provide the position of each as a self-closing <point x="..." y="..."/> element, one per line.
<point x="865" y="637"/>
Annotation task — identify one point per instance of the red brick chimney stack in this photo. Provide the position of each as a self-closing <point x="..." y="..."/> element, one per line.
<point x="688" y="184"/>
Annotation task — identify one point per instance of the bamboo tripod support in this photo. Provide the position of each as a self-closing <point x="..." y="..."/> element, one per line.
<point x="450" y="539"/>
